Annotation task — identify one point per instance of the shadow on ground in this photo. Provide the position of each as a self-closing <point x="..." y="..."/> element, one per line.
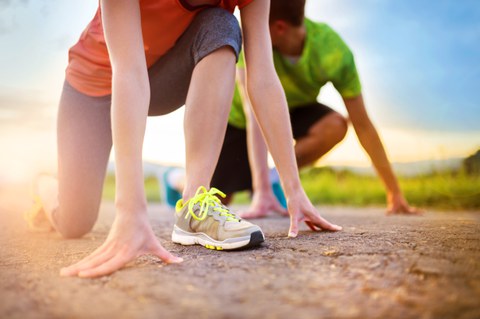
<point x="378" y="267"/>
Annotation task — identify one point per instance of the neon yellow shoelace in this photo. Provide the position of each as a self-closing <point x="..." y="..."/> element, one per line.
<point x="209" y="199"/>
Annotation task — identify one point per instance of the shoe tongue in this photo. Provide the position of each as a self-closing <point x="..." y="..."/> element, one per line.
<point x="197" y="206"/>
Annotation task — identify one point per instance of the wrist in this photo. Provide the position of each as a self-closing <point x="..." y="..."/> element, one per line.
<point x="394" y="192"/>
<point x="130" y="190"/>
<point x="292" y="188"/>
<point x="260" y="180"/>
<point x="393" y="197"/>
<point x="124" y="206"/>
<point x="261" y="187"/>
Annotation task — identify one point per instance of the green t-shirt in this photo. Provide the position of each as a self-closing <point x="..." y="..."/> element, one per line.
<point x="325" y="58"/>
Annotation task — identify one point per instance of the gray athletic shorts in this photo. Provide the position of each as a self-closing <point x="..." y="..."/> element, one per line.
<point x="84" y="128"/>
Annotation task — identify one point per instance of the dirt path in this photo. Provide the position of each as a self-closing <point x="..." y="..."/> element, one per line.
<point x="378" y="267"/>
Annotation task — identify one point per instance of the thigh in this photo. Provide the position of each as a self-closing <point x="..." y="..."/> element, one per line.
<point x="84" y="142"/>
<point x="232" y="173"/>
<point x="304" y="117"/>
<point x="170" y="75"/>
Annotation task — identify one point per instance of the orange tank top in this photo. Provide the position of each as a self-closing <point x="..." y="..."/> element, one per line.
<point x="163" y="22"/>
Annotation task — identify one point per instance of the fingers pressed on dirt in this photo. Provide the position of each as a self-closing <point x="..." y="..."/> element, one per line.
<point x="311" y="225"/>
<point x="100" y="250"/>
<point x="117" y="262"/>
<point x="98" y="256"/>
<point x="324" y="224"/>
<point x="419" y="211"/>
<point x="414" y="211"/>
<point x="406" y="211"/>
<point x="92" y="263"/>
<point x="293" y="231"/>
<point x="165" y="255"/>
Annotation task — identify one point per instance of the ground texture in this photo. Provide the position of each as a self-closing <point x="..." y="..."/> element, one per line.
<point x="377" y="267"/>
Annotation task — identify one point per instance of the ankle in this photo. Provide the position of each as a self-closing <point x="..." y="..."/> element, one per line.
<point x="190" y="191"/>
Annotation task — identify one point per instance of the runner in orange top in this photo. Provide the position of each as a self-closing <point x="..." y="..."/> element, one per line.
<point x="89" y="69"/>
<point x="162" y="55"/>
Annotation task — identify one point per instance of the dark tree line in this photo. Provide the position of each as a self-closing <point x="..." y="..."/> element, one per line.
<point x="471" y="164"/>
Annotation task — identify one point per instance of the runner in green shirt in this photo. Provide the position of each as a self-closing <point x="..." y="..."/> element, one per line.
<point x="307" y="55"/>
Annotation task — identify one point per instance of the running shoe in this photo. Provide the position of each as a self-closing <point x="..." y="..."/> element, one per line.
<point x="36" y="217"/>
<point x="204" y="220"/>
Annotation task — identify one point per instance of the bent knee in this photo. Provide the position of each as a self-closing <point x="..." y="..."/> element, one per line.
<point x="219" y="20"/>
<point x="333" y="127"/>
<point x="339" y="126"/>
<point x="74" y="228"/>
<point x="217" y="28"/>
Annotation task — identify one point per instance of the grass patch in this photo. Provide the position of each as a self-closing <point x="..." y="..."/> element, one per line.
<point x="444" y="190"/>
<point x="152" y="188"/>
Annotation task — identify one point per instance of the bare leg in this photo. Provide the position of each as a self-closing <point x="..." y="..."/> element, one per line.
<point x="206" y="113"/>
<point x="321" y="138"/>
<point x="71" y="203"/>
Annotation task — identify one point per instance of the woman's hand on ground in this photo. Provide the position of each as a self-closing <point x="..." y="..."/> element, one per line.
<point x="302" y="210"/>
<point x="262" y="204"/>
<point x="130" y="237"/>
<point x="398" y="205"/>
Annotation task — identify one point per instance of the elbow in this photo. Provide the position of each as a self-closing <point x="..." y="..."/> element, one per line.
<point x="133" y="78"/>
<point x="267" y="87"/>
<point x="261" y="78"/>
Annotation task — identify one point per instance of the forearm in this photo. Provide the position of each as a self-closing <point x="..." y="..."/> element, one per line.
<point x="267" y="99"/>
<point x="370" y="140"/>
<point x="257" y="150"/>
<point x="266" y="94"/>
<point x="257" y="156"/>
<point x="130" y="100"/>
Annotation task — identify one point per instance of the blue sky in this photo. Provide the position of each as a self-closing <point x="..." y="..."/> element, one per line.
<point x="420" y="57"/>
<point x="419" y="62"/>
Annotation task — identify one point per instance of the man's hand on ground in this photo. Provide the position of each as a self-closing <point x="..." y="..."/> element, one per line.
<point x="398" y="205"/>
<point x="130" y="237"/>
<point x="262" y="204"/>
<point x="302" y="210"/>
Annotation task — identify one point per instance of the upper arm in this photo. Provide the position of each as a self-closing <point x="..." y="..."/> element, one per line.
<point x="347" y="81"/>
<point x="123" y="35"/>
<point x="339" y="63"/>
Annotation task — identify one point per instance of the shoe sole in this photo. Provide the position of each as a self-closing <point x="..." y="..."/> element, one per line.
<point x="182" y="237"/>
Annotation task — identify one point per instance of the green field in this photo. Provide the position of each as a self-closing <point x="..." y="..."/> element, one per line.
<point x="446" y="190"/>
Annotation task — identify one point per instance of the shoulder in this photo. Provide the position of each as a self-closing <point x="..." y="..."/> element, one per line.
<point x="324" y="36"/>
<point x="317" y="26"/>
